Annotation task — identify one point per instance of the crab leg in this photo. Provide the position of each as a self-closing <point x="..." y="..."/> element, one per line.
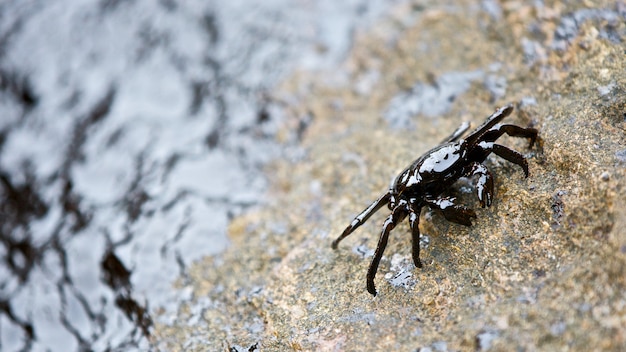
<point x="452" y="212"/>
<point x="414" y="220"/>
<point x="361" y="218"/>
<point x="511" y="155"/>
<point x="491" y="121"/>
<point x="511" y="130"/>
<point x="457" y="134"/>
<point x="484" y="186"/>
<point x="398" y="213"/>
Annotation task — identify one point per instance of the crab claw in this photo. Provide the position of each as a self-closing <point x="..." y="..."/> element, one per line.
<point x="484" y="186"/>
<point x="452" y="212"/>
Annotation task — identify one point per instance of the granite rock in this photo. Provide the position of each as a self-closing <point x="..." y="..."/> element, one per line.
<point x="543" y="268"/>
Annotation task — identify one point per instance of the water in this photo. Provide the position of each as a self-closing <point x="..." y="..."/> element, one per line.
<point x="131" y="132"/>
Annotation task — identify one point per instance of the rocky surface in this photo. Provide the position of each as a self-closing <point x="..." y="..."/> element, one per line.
<point x="544" y="268"/>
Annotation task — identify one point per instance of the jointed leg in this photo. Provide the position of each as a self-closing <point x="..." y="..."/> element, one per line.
<point x="361" y="218"/>
<point x="414" y="220"/>
<point x="484" y="186"/>
<point x="457" y="133"/>
<point x="511" y="155"/>
<point x="452" y="212"/>
<point x="511" y="130"/>
<point x="397" y="215"/>
<point x="491" y="121"/>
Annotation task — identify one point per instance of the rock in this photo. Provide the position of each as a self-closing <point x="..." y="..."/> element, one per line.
<point x="544" y="268"/>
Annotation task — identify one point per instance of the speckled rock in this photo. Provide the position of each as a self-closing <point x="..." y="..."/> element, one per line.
<point x="544" y="268"/>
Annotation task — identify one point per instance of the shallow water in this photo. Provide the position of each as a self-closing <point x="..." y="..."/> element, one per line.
<point x="131" y="132"/>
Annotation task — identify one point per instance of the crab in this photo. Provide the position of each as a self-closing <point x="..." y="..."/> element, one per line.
<point x="423" y="183"/>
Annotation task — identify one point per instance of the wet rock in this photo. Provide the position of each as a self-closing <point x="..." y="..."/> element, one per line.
<point x="431" y="100"/>
<point x="543" y="268"/>
<point x="131" y="132"/>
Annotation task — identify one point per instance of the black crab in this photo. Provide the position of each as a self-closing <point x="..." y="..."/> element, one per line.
<point x="424" y="181"/>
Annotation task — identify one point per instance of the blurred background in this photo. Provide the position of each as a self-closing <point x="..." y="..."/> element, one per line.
<point x="131" y="132"/>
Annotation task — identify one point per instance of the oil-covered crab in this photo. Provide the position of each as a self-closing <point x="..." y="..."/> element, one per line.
<point x="424" y="181"/>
